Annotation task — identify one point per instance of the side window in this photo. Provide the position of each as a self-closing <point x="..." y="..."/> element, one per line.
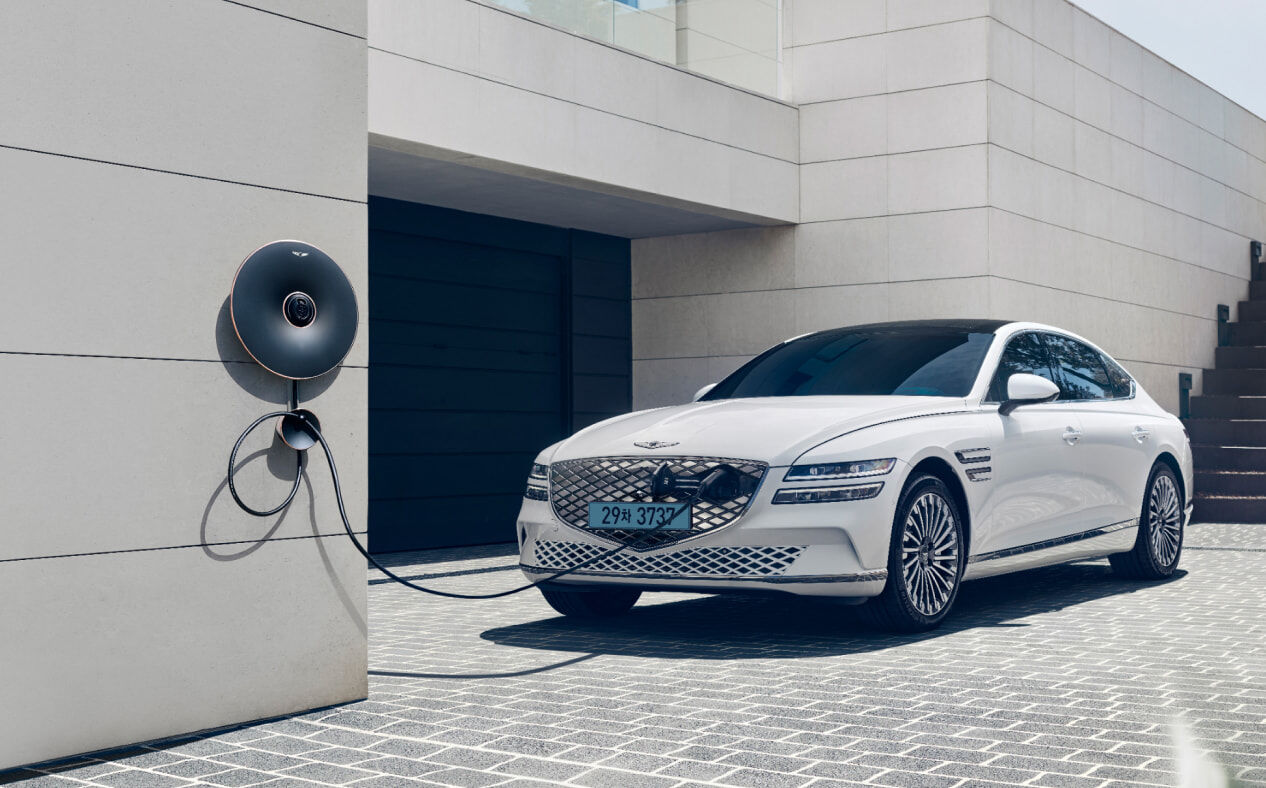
<point x="1024" y="354"/>
<point x="1122" y="384"/>
<point x="1082" y="375"/>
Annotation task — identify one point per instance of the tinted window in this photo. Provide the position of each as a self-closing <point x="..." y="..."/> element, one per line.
<point x="917" y="362"/>
<point x="1025" y="355"/>
<point x="1121" y="382"/>
<point x="1081" y="371"/>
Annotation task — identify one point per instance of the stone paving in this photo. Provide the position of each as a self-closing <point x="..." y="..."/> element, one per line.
<point x="1063" y="676"/>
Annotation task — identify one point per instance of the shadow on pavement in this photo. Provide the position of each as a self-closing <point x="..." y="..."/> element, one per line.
<point x="783" y="626"/>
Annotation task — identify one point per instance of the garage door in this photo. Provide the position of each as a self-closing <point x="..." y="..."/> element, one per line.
<point x="473" y="366"/>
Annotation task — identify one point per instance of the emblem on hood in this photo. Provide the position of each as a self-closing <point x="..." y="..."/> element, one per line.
<point x="654" y="444"/>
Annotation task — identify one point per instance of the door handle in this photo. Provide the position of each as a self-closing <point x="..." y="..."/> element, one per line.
<point x="1141" y="434"/>
<point x="1071" y="436"/>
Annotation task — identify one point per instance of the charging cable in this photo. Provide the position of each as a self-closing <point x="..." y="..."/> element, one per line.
<point x="313" y="431"/>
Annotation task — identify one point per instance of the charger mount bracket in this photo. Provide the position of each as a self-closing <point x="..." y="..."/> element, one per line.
<point x="296" y="429"/>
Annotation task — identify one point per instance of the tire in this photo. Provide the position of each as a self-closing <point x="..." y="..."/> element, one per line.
<point x="1159" y="543"/>
<point x="919" y="596"/>
<point x="590" y="603"/>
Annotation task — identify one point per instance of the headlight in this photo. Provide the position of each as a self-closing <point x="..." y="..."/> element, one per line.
<point x="537" y="483"/>
<point x="839" y="470"/>
<point x="848" y="492"/>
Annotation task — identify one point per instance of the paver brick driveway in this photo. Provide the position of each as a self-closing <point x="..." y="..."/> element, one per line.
<point x="1064" y="676"/>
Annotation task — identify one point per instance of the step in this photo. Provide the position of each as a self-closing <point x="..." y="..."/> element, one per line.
<point x="1251" y="311"/>
<point x="1247" y="333"/>
<point x="1227" y="483"/>
<point x="1224" y="458"/>
<point x="1229" y="509"/>
<point x="1257" y="291"/>
<point x="1242" y="357"/>
<point x="1236" y="382"/>
<point x="1205" y="407"/>
<point x="1226" y="432"/>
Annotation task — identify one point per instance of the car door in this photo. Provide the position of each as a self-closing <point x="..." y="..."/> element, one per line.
<point x="1038" y="490"/>
<point x="1114" y="446"/>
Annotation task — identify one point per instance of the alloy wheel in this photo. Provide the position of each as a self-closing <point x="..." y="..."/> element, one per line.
<point x="929" y="554"/>
<point x="1164" y="520"/>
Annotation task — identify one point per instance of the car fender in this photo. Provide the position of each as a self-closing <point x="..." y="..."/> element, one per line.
<point x="961" y="440"/>
<point x="1173" y="441"/>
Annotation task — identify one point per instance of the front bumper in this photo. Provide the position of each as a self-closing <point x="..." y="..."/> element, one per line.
<point x="821" y="549"/>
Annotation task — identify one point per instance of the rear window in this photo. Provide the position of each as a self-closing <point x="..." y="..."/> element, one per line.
<point x="1122" y="383"/>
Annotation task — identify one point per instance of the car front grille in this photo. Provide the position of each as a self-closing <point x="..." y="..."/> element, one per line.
<point x="698" y="562"/>
<point x="574" y="484"/>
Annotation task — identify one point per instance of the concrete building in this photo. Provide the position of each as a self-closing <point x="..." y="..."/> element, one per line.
<point x="553" y="211"/>
<point x="145" y="149"/>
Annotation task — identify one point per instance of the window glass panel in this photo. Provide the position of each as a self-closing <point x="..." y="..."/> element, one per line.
<point x="912" y="362"/>
<point x="731" y="41"/>
<point x="1081" y="372"/>
<point x="1025" y="355"/>
<point x="1120" y="378"/>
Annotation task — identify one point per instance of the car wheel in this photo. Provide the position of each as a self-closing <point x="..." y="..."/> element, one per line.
<point x="591" y="602"/>
<point x="925" y="559"/>
<point x="1159" y="543"/>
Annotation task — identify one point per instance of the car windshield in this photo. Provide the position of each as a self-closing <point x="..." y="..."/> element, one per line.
<point x="926" y="362"/>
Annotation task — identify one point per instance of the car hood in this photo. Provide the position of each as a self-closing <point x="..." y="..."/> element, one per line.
<point x="775" y="430"/>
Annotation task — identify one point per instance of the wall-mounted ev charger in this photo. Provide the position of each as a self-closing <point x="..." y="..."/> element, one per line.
<point x="295" y="313"/>
<point x="273" y="305"/>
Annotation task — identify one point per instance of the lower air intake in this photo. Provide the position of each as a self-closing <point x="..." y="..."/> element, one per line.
<point x="700" y="562"/>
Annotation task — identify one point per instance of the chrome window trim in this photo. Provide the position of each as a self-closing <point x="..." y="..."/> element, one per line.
<point x="1133" y="383"/>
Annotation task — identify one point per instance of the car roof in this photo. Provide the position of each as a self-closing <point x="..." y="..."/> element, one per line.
<point x="971" y="325"/>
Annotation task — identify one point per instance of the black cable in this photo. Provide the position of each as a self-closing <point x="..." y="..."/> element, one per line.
<point x="338" y="496"/>
<point x="233" y="461"/>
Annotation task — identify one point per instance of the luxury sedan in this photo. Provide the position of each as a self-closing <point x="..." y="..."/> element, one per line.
<point x="882" y="464"/>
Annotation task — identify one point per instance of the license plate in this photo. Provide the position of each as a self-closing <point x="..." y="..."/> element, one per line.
<point x="639" y="516"/>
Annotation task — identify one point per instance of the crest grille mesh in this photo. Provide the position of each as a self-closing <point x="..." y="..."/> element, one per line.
<point x="574" y="484"/>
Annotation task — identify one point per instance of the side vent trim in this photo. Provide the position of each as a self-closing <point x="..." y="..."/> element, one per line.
<point x="972" y="456"/>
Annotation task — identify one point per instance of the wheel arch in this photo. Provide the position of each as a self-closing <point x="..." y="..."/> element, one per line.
<point x="939" y="467"/>
<point x="1172" y="461"/>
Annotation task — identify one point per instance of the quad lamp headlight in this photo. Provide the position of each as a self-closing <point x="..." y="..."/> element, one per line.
<point x="844" y="492"/>
<point x="537" y="483"/>
<point x="839" y="470"/>
<point x="830" y="471"/>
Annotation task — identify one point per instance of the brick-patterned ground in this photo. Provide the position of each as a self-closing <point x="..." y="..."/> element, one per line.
<point x="1059" y="677"/>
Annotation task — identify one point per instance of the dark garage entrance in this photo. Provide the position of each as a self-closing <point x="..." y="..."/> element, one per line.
<point x="489" y="339"/>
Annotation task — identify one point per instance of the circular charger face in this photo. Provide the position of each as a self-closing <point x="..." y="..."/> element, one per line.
<point x="293" y="309"/>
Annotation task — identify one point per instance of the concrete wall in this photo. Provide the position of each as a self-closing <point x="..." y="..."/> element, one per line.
<point x="146" y="148"/>
<point x="1014" y="159"/>
<point x="461" y="81"/>
<point x="893" y="195"/>
<point x="1123" y="192"/>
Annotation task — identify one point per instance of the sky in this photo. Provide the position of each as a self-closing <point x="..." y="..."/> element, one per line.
<point x="1219" y="42"/>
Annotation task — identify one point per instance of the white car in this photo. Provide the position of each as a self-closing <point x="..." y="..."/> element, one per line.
<point x="881" y="463"/>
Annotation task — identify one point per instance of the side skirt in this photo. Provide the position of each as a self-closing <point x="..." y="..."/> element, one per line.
<point x="1095" y="543"/>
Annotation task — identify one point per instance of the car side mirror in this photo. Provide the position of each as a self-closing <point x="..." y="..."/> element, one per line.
<point x="703" y="391"/>
<point x="1025" y="389"/>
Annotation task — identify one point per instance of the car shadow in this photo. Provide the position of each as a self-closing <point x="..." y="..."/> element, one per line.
<point x="783" y="626"/>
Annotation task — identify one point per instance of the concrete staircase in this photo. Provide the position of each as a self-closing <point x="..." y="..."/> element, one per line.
<point x="1227" y="423"/>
